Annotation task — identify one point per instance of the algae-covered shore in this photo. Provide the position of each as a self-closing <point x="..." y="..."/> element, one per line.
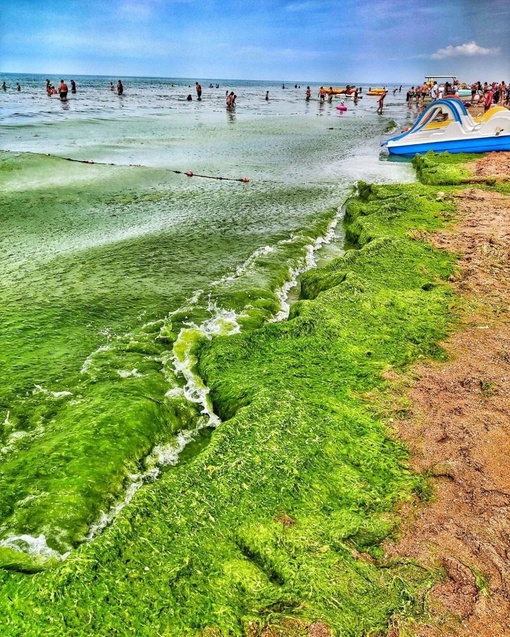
<point x="280" y="524"/>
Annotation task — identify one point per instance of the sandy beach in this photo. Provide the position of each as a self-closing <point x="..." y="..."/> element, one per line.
<point x="458" y="427"/>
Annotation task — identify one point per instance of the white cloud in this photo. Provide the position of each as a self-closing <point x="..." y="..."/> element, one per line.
<point x="467" y="49"/>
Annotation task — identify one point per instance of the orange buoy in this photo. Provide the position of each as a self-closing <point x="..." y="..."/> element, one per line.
<point x="189" y="173"/>
<point x="245" y="180"/>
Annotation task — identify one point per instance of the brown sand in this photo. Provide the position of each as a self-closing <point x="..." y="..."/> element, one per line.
<point x="459" y="431"/>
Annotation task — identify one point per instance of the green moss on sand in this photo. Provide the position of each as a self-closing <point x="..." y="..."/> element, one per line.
<point x="444" y="168"/>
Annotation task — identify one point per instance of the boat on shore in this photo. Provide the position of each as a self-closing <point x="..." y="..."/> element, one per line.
<point x="446" y="125"/>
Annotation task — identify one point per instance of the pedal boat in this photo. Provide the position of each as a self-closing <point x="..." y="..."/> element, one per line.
<point x="446" y="125"/>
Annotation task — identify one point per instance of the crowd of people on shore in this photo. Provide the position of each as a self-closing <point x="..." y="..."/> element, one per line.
<point x="486" y="94"/>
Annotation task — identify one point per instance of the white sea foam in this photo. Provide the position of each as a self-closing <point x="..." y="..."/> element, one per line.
<point x="12" y="441"/>
<point x="221" y="322"/>
<point x="124" y="373"/>
<point x="309" y="261"/>
<point x="106" y="518"/>
<point x="33" y="546"/>
<point x="39" y="389"/>
<point x="88" y="364"/>
<point x="178" y="362"/>
<point x="245" y="266"/>
<point x="161" y="456"/>
<point x="17" y="436"/>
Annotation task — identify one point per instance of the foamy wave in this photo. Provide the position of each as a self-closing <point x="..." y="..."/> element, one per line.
<point x="161" y="456"/>
<point x="33" y="546"/>
<point x="106" y="518"/>
<point x="88" y="364"/>
<point x="134" y="373"/>
<point x="309" y="261"/>
<point x="16" y="436"/>
<point x="245" y="266"/>
<point x="38" y="389"/>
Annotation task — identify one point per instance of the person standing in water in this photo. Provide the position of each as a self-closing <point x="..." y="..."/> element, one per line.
<point x="267" y="96"/>
<point x="381" y="102"/>
<point x="198" y="89"/>
<point x="62" y="91"/>
<point x="73" y="87"/>
<point x="120" y="88"/>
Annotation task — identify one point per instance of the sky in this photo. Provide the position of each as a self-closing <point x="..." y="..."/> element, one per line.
<point x="323" y="41"/>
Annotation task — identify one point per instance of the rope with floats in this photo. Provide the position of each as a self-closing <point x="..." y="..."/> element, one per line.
<point x="189" y="173"/>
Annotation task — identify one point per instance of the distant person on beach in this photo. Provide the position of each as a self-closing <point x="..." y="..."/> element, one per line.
<point x="73" y="87"/>
<point x="4" y="86"/>
<point x="18" y="87"/>
<point x="112" y="87"/>
<point x="120" y="88"/>
<point x="381" y="102"/>
<point x="267" y="96"/>
<point x="189" y="98"/>
<point x="62" y="90"/>
<point x="198" y="89"/>
<point x="231" y="100"/>
<point x="308" y="94"/>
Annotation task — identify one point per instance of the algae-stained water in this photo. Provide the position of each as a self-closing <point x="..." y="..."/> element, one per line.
<point x="112" y="273"/>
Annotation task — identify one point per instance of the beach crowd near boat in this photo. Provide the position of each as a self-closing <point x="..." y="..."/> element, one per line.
<point x="486" y="94"/>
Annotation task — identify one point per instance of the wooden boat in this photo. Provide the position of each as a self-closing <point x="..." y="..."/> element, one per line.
<point x="445" y="125"/>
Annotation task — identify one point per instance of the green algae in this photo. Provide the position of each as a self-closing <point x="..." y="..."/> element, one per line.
<point x="283" y="512"/>
<point x="444" y="168"/>
<point x="94" y="256"/>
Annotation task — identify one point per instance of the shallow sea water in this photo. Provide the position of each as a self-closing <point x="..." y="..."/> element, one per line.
<point x="113" y="271"/>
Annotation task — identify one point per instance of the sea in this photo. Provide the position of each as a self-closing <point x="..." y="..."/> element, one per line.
<point x="133" y="228"/>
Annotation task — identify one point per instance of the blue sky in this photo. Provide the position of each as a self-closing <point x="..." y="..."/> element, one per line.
<point x="330" y="41"/>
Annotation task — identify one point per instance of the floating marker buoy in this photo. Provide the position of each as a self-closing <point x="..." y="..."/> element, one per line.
<point x="244" y="180"/>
